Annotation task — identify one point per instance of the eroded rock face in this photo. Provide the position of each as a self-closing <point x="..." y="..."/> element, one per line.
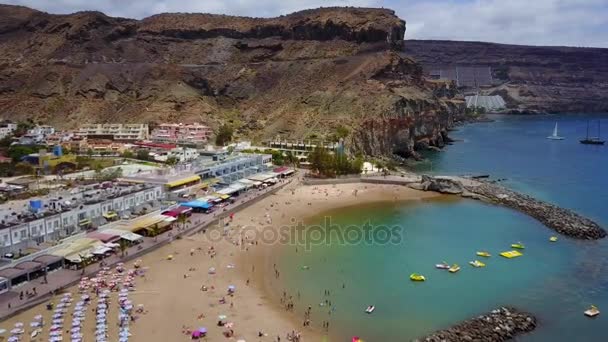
<point x="530" y="78"/>
<point x="298" y="76"/>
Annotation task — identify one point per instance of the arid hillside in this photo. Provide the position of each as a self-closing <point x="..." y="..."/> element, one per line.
<point x="299" y="76"/>
<point x="530" y="78"/>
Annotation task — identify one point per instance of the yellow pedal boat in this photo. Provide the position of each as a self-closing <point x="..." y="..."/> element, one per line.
<point x="511" y="254"/>
<point x="553" y="239"/>
<point x="417" y="277"/>
<point x="477" y="263"/>
<point x="518" y="245"/>
<point x="455" y="268"/>
<point x="484" y="254"/>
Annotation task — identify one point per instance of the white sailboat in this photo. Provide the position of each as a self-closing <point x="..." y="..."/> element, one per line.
<point x="554" y="136"/>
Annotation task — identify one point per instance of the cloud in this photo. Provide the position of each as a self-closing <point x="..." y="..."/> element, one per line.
<point x="534" y="22"/>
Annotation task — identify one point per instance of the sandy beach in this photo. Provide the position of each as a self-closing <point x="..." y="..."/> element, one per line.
<point x="181" y="294"/>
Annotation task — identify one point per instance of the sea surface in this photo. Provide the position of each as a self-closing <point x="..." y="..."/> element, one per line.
<point x="554" y="281"/>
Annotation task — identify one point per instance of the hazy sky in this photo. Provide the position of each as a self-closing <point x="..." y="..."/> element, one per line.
<point x="536" y="22"/>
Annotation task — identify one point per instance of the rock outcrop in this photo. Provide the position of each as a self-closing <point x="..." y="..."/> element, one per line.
<point x="498" y="325"/>
<point x="300" y="76"/>
<point x="441" y="185"/>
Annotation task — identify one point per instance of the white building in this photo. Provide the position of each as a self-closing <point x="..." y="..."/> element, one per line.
<point x="7" y="129"/>
<point x="62" y="216"/>
<point x="124" y="132"/>
<point x="43" y="130"/>
<point x="181" y="154"/>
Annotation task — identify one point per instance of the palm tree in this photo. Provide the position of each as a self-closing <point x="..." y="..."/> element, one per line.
<point x="183" y="220"/>
<point x="155" y="231"/>
<point x="122" y="244"/>
<point x="84" y="262"/>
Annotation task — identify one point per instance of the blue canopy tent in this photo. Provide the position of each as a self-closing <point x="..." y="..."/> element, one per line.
<point x="197" y="206"/>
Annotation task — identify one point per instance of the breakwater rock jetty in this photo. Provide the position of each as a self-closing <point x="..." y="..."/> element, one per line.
<point x="499" y="325"/>
<point x="562" y="220"/>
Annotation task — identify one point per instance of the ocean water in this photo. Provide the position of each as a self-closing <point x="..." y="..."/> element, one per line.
<point x="555" y="281"/>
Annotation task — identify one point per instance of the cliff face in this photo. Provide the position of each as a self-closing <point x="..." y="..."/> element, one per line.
<point x="299" y="76"/>
<point x="530" y="78"/>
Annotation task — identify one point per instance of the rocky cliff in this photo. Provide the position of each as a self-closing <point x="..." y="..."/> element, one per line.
<point x="299" y="76"/>
<point x="529" y="78"/>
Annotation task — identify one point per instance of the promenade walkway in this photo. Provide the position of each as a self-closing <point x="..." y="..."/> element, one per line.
<point x="10" y="303"/>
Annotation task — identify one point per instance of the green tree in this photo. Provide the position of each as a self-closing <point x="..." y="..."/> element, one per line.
<point x="123" y="246"/>
<point x="24" y="168"/>
<point x="84" y="262"/>
<point x="23" y="127"/>
<point x="224" y="135"/>
<point x="19" y="151"/>
<point x="277" y="157"/>
<point x="172" y="160"/>
<point x="6" y="141"/>
<point x="128" y="154"/>
<point x="143" y="155"/>
<point x="183" y="220"/>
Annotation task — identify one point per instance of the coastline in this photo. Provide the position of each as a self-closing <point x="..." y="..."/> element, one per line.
<point x="339" y="196"/>
<point x="171" y="290"/>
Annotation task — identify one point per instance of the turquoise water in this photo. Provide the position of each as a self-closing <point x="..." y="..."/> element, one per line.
<point x="555" y="281"/>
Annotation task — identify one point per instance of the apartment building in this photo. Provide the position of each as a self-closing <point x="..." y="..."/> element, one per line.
<point x="182" y="134"/>
<point x="7" y="128"/>
<point x="121" y="132"/>
<point x="69" y="212"/>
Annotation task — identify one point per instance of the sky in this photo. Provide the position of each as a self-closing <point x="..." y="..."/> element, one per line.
<point x="529" y="22"/>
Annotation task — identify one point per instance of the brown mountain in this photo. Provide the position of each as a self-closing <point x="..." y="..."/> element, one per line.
<point x="530" y="78"/>
<point x="301" y="75"/>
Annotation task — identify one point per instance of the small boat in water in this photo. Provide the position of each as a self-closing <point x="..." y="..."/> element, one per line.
<point x="593" y="140"/>
<point x="518" y="245"/>
<point x="477" y="263"/>
<point x="592" y="311"/>
<point x="511" y="254"/>
<point x="484" y="254"/>
<point x="554" y="136"/>
<point x="443" y="266"/>
<point x="553" y="239"/>
<point x="455" y="268"/>
<point x="417" y="277"/>
<point x="370" y="309"/>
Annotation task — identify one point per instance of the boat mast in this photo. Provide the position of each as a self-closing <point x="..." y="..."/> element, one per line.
<point x="598" y="128"/>
<point x="587" y="129"/>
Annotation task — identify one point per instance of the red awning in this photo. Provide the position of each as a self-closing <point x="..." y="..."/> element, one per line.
<point x="281" y="169"/>
<point x="103" y="237"/>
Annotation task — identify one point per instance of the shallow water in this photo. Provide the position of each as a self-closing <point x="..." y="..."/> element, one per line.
<point x="555" y="281"/>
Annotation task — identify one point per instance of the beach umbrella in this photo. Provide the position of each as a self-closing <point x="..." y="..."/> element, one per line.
<point x="17" y="331"/>
<point x="212" y="270"/>
<point x="2" y="331"/>
<point x="229" y="325"/>
<point x="38" y="317"/>
<point x="19" y="325"/>
<point x="221" y="317"/>
<point x="196" y="334"/>
<point x="202" y="330"/>
<point x="34" y="324"/>
<point x="231" y="288"/>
